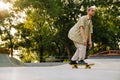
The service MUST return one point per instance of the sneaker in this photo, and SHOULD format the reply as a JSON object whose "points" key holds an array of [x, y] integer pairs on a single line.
{"points": [[82, 62], [72, 62]]}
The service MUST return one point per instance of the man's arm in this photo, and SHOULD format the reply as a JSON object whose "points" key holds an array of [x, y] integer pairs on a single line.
{"points": [[83, 35]]}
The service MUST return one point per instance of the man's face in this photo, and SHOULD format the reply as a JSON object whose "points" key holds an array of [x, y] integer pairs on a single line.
{"points": [[91, 12]]}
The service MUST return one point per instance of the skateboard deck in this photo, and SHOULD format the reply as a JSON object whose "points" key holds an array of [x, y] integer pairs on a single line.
{"points": [[87, 66]]}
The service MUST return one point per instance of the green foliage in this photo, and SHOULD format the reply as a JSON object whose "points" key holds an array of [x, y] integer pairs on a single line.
{"points": [[105, 22], [106, 28], [47, 24], [31, 56]]}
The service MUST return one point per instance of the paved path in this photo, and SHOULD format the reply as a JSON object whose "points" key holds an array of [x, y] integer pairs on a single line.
{"points": [[104, 69]]}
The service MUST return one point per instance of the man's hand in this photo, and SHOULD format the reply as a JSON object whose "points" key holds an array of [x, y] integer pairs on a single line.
{"points": [[84, 42], [90, 44]]}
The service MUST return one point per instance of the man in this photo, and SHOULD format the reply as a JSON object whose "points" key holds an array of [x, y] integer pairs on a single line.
{"points": [[81, 34]]}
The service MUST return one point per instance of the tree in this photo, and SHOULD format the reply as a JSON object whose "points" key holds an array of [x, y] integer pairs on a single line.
{"points": [[105, 23], [6, 26], [48, 22], [38, 25]]}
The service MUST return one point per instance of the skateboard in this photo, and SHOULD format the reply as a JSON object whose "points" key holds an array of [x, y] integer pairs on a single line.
{"points": [[87, 66]]}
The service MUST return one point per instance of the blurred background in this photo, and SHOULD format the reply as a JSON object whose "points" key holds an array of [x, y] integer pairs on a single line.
{"points": [[36, 31]]}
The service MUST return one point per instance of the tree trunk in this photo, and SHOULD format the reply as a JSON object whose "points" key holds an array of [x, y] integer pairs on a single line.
{"points": [[41, 49], [68, 51], [59, 50], [11, 52], [11, 44], [41, 54]]}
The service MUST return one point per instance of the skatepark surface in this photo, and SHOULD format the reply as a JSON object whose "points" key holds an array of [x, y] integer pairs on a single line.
{"points": [[6, 61], [104, 69]]}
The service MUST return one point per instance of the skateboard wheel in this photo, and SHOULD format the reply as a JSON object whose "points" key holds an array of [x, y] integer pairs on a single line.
{"points": [[75, 66], [87, 67]]}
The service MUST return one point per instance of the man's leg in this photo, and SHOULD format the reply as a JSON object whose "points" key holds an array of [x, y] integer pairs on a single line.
{"points": [[76, 55], [82, 54]]}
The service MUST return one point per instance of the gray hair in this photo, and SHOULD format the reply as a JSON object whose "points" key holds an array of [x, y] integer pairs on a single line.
{"points": [[91, 7]]}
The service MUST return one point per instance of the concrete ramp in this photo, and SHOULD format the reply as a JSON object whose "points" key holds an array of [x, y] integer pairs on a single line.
{"points": [[6, 61]]}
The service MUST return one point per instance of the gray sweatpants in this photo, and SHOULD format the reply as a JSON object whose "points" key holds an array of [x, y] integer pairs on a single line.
{"points": [[80, 52]]}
